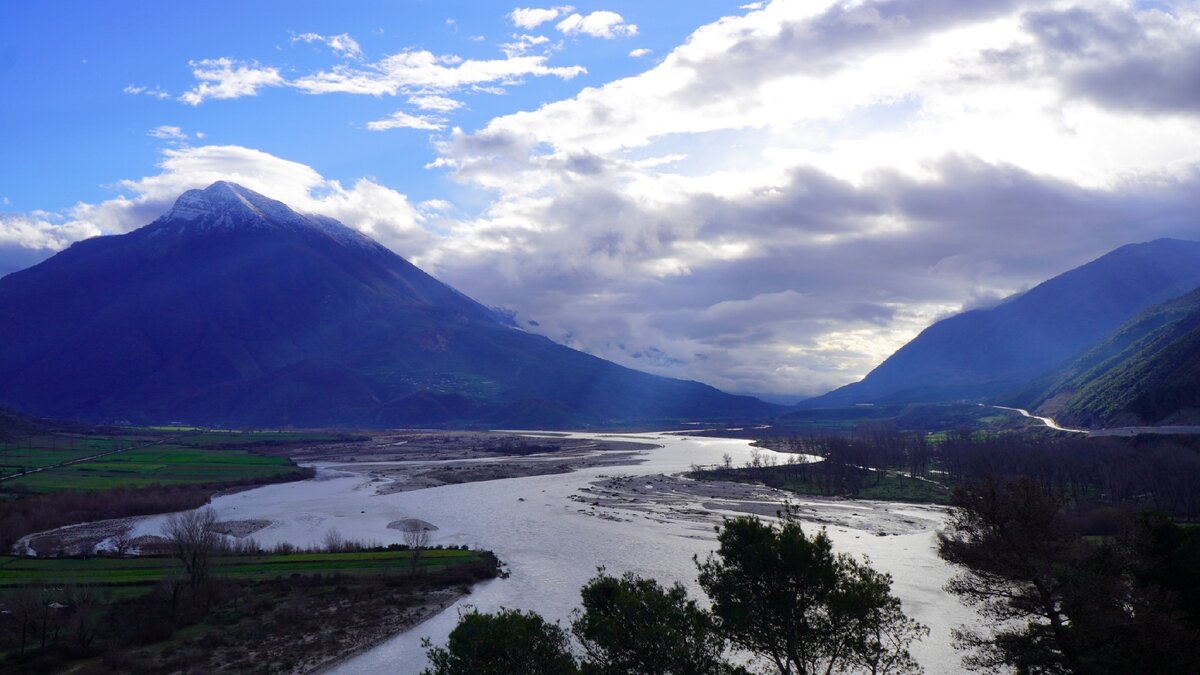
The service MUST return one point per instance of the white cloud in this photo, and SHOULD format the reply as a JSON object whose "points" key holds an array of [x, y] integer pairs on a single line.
{"points": [[342, 44], [853, 171], [402, 120], [167, 132], [420, 69], [421, 75], [788, 195], [153, 92], [41, 234], [522, 44], [530, 17], [435, 205], [367, 206], [601, 24], [639, 53], [752, 5], [225, 78], [435, 102]]}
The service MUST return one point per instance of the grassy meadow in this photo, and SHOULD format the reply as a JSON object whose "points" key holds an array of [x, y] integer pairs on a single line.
{"points": [[134, 458], [132, 576]]}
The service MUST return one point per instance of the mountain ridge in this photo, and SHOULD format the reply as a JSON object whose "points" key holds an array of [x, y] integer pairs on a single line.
{"points": [[232, 309], [1147, 372], [990, 352]]}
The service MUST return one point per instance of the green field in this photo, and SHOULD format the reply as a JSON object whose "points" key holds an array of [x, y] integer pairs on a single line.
{"points": [[254, 612], [143, 456], [50, 449], [167, 464], [133, 576]]}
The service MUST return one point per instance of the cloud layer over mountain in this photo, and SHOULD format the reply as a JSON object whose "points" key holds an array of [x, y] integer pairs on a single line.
{"points": [[780, 201]]}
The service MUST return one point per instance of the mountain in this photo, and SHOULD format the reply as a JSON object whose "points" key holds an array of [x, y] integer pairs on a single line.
{"points": [[234, 310], [1146, 372], [989, 352]]}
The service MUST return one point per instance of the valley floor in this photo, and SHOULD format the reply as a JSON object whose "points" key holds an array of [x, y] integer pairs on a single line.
{"points": [[556, 506]]}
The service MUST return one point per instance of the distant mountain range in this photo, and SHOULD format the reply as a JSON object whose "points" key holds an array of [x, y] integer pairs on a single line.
{"points": [[234, 310], [1064, 346]]}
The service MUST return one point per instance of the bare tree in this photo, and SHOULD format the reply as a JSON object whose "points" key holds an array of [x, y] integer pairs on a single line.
{"points": [[122, 541], [193, 539], [84, 613], [25, 605], [334, 541], [416, 537]]}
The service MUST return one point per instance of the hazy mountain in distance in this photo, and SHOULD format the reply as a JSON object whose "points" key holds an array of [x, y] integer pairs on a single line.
{"points": [[234, 310], [989, 352]]}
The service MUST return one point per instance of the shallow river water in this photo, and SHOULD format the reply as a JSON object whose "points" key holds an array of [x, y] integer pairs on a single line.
{"points": [[552, 544]]}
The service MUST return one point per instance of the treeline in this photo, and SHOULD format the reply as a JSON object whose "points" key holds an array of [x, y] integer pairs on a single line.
{"points": [[1161, 473], [1056, 600], [31, 513]]}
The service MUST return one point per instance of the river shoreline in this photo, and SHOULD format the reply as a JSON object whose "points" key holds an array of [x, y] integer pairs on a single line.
{"points": [[554, 529]]}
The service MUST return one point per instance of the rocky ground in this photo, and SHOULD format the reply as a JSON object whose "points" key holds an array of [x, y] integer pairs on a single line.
{"points": [[391, 477], [433, 446], [665, 498]]}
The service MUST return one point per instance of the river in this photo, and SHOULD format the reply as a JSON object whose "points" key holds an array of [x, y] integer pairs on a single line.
{"points": [[552, 540]]}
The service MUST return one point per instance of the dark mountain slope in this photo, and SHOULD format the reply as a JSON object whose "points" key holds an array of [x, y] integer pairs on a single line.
{"points": [[992, 351], [1146, 372], [232, 309]]}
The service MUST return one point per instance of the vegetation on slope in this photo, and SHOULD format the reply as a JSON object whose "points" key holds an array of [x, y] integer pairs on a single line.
{"points": [[987, 352], [1146, 372]]}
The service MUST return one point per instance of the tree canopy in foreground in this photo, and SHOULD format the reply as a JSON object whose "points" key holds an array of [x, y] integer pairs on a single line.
{"points": [[780, 596]]}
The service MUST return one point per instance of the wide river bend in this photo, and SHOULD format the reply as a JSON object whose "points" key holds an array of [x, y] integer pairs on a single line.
{"points": [[551, 537]]}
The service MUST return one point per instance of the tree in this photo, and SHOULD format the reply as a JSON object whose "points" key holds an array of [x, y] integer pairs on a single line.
{"points": [[634, 625], [416, 538], [193, 538], [334, 541], [786, 597], [26, 604], [504, 643], [84, 614], [122, 540], [872, 623], [1058, 602]]}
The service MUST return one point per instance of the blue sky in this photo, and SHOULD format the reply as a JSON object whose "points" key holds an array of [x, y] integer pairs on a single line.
{"points": [[69, 63], [769, 197]]}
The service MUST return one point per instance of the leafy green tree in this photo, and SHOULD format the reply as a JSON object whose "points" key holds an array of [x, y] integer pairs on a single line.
{"points": [[505, 643], [871, 623], [787, 598], [634, 625]]}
